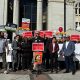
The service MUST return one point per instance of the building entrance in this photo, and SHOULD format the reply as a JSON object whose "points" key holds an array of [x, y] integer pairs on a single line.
{"points": [[28, 10]]}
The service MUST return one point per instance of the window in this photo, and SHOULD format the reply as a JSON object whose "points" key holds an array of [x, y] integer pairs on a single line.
{"points": [[77, 9], [77, 14], [76, 24]]}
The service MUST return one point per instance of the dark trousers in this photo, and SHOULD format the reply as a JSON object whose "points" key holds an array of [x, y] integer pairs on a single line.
{"points": [[45, 60], [25, 61], [4, 60], [19, 60], [14, 62], [70, 64], [54, 61]]}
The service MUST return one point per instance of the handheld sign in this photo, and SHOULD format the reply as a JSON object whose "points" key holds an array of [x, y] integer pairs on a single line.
{"points": [[27, 34], [74, 37], [48, 34], [41, 33]]}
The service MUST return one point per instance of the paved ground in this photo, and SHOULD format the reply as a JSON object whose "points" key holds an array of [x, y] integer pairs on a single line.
{"points": [[27, 75], [14, 77]]}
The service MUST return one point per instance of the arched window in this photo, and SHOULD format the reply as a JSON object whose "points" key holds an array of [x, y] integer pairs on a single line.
{"points": [[77, 15]]}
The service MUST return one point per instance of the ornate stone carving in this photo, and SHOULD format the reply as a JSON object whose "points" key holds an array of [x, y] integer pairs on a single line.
{"points": [[70, 2]]}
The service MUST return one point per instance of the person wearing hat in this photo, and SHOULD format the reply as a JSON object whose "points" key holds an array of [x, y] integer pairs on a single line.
{"points": [[68, 49]]}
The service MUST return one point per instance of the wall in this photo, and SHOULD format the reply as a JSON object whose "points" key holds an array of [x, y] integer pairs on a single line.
{"points": [[55, 15]]}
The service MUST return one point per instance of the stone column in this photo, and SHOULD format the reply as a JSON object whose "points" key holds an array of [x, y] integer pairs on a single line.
{"points": [[16, 12], [39, 14], [5, 11], [49, 14]]}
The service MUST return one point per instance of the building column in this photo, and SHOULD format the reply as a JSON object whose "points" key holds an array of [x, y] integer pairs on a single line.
{"points": [[16, 12], [5, 12], [49, 15], [39, 14]]}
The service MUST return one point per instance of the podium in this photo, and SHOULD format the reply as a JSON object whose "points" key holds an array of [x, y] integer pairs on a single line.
{"points": [[37, 49]]}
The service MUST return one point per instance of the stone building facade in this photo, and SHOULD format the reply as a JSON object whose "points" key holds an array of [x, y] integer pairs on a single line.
{"points": [[55, 14]]}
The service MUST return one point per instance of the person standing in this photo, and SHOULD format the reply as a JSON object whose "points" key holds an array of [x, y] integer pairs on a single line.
{"points": [[19, 53], [68, 49], [54, 48], [14, 53], [26, 54], [3, 45], [46, 55]]}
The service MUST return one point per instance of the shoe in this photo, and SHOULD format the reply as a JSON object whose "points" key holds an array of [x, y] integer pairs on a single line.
{"points": [[33, 71], [51, 71], [14, 70], [5, 72], [73, 73], [66, 72], [56, 71]]}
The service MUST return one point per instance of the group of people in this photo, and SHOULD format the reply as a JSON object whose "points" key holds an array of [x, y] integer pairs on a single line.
{"points": [[22, 53]]}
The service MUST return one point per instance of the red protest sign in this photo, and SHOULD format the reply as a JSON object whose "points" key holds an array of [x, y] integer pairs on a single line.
{"points": [[37, 57], [74, 37], [41, 33], [41, 46], [48, 34], [38, 47], [27, 34], [35, 47]]}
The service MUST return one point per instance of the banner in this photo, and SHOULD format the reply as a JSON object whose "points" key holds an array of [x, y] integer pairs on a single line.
{"points": [[38, 47], [37, 57], [49, 34], [27, 34]]}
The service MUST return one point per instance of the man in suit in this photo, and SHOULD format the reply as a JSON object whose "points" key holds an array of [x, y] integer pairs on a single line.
{"points": [[54, 48], [68, 52]]}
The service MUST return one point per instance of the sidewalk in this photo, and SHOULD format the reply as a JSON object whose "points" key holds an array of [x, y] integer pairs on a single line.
{"points": [[65, 76], [14, 77], [27, 75], [58, 76]]}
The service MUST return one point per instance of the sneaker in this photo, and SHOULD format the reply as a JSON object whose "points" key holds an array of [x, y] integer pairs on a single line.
{"points": [[5, 72], [73, 73], [66, 72]]}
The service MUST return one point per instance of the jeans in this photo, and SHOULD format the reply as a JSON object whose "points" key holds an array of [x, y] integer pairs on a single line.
{"points": [[70, 64]]}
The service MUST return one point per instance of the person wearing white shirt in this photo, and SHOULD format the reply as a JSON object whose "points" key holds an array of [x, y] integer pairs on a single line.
{"points": [[68, 49], [67, 42]]}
